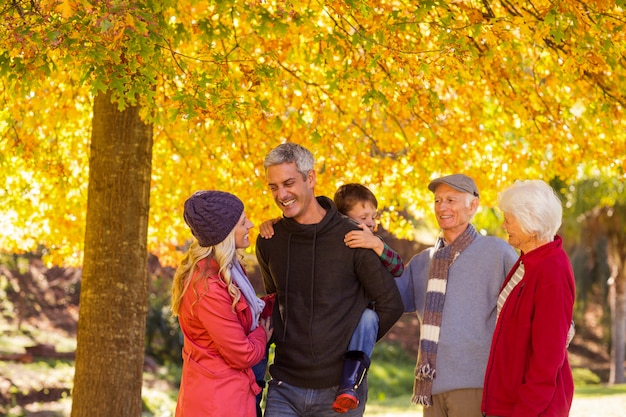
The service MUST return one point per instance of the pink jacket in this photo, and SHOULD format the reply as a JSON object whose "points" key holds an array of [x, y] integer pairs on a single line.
{"points": [[219, 350], [528, 373]]}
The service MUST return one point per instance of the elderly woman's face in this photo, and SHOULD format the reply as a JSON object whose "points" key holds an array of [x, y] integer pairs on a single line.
{"points": [[517, 237]]}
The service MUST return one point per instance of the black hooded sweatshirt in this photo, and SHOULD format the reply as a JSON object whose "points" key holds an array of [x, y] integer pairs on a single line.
{"points": [[322, 288]]}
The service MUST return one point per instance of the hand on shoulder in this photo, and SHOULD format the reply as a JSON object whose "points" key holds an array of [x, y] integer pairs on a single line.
{"points": [[266, 230]]}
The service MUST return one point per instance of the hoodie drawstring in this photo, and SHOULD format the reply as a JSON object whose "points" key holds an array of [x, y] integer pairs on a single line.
{"points": [[285, 313], [312, 297]]}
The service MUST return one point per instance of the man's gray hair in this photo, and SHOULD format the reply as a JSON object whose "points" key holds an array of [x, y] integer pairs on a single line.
{"points": [[290, 152]]}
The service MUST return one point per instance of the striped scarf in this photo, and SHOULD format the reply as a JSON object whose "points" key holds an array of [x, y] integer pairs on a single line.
{"points": [[515, 279], [435, 297]]}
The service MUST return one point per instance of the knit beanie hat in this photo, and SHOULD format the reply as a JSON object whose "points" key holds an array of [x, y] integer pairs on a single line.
{"points": [[212, 215]]}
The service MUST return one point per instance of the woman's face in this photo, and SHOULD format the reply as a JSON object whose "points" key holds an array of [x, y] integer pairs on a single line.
{"points": [[241, 232], [517, 237]]}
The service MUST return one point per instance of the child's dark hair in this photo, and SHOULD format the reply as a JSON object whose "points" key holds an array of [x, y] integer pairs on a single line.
{"points": [[349, 195]]}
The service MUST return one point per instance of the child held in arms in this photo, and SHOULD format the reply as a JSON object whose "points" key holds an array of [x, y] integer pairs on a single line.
{"points": [[359, 204]]}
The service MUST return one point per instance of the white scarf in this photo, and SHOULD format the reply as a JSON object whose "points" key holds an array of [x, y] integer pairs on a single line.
{"points": [[247, 290]]}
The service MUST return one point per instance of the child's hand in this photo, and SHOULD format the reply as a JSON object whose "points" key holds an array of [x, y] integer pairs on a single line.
{"points": [[364, 238], [266, 230]]}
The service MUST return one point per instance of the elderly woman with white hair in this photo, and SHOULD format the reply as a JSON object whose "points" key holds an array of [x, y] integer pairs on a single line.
{"points": [[528, 373]]}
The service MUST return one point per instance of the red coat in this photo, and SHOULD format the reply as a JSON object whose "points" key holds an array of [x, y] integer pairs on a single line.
{"points": [[219, 351], [528, 373]]}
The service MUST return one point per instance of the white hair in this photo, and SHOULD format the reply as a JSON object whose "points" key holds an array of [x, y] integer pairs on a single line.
{"points": [[535, 206]]}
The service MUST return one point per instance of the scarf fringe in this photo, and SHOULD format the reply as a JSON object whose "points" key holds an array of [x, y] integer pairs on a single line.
{"points": [[424, 372], [423, 400]]}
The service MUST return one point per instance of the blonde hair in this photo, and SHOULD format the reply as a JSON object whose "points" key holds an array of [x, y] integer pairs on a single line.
{"points": [[224, 254]]}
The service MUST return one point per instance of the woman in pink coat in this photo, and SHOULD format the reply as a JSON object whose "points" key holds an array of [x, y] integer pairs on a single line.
{"points": [[218, 311]]}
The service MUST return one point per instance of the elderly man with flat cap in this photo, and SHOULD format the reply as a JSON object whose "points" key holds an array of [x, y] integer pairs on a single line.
{"points": [[453, 286]]}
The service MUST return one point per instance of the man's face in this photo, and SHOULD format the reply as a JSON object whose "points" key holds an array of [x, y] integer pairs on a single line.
{"points": [[292, 193], [453, 209]]}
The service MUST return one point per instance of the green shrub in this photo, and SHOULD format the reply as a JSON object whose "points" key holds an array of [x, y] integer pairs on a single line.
{"points": [[391, 373], [584, 376]]}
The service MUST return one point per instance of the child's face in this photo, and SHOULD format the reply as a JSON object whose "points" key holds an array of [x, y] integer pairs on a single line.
{"points": [[364, 213]]}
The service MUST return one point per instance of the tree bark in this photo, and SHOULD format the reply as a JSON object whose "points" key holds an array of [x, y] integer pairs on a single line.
{"points": [[618, 330], [113, 300], [614, 219]]}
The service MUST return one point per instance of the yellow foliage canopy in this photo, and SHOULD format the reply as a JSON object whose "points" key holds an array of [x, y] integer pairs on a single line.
{"points": [[390, 95]]}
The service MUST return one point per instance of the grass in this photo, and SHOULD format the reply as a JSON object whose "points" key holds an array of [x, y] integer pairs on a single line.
{"points": [[396, 406], [391, 373], [390, 380], [14, 340], [390, 385], [600, 390], [609, 401]]}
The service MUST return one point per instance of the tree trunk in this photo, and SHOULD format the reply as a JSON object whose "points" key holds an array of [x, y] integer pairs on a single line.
{"points": [[113, 299], [614, 219], [617, 294]]}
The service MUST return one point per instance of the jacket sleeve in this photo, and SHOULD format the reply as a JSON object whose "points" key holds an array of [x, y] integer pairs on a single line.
{"points": [[380, 287], [413, 282], [392, 261], [239, 350], [553, 305], [406, 288]]}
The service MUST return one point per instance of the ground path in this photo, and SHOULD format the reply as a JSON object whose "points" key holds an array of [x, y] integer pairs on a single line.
{"points": [[605, 406], [602, 406]]}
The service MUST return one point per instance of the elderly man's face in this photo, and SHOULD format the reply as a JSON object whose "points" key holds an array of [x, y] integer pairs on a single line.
{"points": [[453, 209]]}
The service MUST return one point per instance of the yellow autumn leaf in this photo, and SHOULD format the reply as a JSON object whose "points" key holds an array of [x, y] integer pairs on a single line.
{"points": [[66, 8]]}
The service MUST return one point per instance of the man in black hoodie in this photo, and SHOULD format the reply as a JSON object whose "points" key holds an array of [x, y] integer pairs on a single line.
{"points": [[322, 288]]}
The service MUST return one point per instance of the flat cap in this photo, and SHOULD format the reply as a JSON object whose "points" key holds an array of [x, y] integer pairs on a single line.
{"points": [[459, 182]]}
